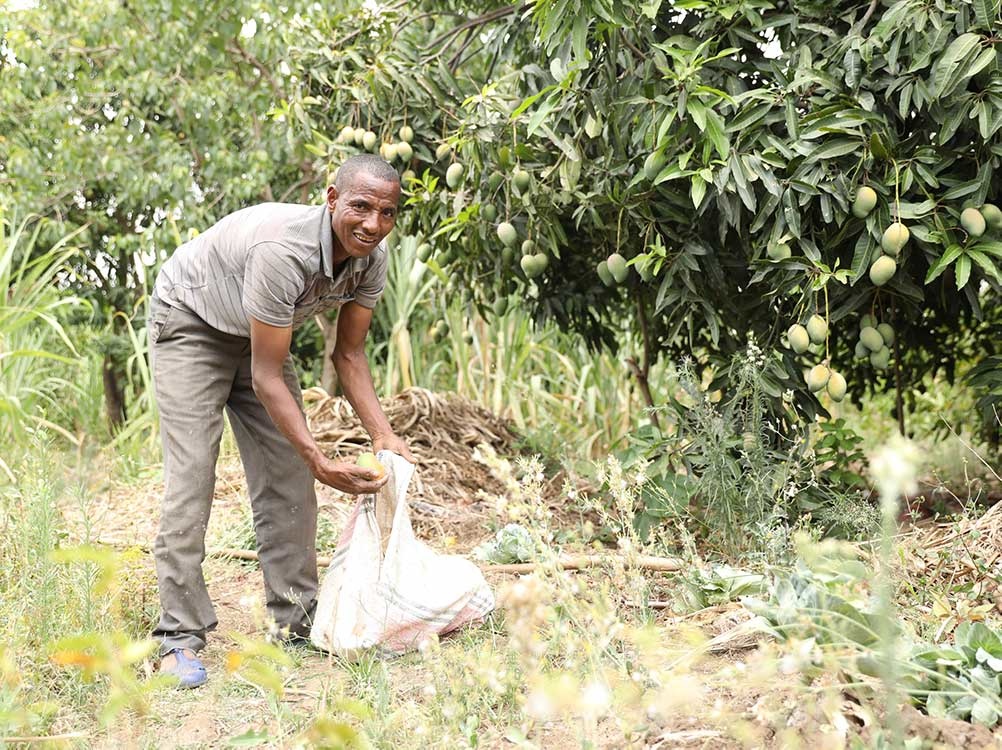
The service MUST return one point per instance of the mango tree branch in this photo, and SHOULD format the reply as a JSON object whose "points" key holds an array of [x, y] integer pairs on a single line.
{"points": [[642, 371]]}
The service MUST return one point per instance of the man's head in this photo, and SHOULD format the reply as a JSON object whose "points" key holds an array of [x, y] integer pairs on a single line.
{"points": [[363, 204]]}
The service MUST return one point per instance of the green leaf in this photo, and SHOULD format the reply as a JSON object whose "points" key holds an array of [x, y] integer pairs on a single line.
{"points": [[963, 270], [542, 113], [250, 738], [716, 134], [949, 256], [950, 68], [831, 149], [985, 711], [987, 265], [986, 13], [698, 190], [791, 212], [530, 100]]}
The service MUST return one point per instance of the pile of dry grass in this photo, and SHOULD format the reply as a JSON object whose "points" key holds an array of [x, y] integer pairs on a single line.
{"points": [[441, 430], [964, 551]]}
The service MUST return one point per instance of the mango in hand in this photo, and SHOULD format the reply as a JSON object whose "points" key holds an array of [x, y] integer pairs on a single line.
{"points": [[369, 461]]}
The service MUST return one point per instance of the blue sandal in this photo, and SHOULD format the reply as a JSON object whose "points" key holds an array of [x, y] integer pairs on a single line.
{"points": [[189, 670]]}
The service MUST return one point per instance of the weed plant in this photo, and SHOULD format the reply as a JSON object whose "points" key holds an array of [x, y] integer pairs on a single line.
{"points": [[743, 476]]}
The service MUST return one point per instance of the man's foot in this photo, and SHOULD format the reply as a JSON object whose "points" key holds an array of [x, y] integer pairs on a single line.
{"points": [[182, 664]]}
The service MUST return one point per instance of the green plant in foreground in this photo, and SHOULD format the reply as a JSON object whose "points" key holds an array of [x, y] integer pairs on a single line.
{"points": [[827, 602], [32, 330]]}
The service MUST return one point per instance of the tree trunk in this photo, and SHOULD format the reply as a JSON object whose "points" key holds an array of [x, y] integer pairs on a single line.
{"points": [[114, 395], [328, 378]]}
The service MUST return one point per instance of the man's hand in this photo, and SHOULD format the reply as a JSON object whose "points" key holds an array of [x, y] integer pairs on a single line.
{"points": [[395, 443], [347, 477]]}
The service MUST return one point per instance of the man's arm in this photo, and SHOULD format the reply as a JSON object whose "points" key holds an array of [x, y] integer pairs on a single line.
{"points": [[269, 348], [353, 372]]}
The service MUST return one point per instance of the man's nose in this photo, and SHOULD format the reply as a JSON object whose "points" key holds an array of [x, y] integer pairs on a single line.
{"points": [[371, 223]]}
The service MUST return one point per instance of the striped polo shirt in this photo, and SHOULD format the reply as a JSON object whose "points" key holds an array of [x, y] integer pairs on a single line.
{"points": [[273, 262]]}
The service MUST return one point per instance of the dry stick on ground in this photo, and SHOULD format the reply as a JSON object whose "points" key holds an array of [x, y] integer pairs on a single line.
{"points": [[576, 562]]}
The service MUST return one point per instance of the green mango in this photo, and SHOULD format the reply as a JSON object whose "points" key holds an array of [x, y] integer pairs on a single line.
{"points": [[882, 270], [778, 251], [886, 333], [973, 222], [993, 216], [895, 237], [488, 211], [836, 387], [866, 199], [522, 180], [507, 234], [799, 338], [880, 359], [454, 175], [618, 268], [817, 329], [653, 165], [604, 273], [817, 378], [871, 339], [406, 134]]}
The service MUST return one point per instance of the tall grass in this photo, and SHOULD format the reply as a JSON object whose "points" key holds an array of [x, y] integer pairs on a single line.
{"points": [[33, 336]]}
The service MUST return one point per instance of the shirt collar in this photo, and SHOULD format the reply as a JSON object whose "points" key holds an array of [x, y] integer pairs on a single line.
{"points": [[355, 265]]}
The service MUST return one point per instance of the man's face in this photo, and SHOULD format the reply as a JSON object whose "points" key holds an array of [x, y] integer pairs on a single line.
{"points": [[363, 214]]}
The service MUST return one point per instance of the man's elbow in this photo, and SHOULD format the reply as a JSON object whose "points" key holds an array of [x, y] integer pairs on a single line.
{"points": [[346, 358], [259, 382]]}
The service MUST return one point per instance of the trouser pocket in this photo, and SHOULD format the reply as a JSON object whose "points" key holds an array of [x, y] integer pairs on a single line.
{"points": [[158, 322]]}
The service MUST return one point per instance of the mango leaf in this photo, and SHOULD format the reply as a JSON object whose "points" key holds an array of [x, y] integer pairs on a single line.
{"points": [[963, 270], [831, 149], [949, 256], [986, 13], [715, 132], [698, 190], [987, 264], [950, 69]]}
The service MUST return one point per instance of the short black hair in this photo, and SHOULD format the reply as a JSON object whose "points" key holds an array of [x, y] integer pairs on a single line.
{"points": [[368, 163]]}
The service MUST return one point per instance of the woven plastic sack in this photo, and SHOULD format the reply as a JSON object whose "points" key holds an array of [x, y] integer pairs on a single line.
{"points": [[385, 589]]}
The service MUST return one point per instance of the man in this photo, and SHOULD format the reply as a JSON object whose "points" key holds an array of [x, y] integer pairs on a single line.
{"points": [[221, 319]]}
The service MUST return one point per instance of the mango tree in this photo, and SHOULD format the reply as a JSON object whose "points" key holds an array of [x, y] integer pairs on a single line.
{"points": [[711, 172]]}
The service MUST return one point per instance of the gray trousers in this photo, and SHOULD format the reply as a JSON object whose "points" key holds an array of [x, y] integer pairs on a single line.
{"points": [[198, 372]]}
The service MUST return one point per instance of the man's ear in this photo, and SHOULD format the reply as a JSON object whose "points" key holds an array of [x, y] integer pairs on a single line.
{"points": [[332, 196]]}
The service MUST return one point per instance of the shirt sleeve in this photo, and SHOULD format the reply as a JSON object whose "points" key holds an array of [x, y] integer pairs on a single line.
{"points": [[373, 282], [274, 278]]}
